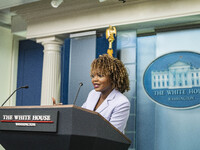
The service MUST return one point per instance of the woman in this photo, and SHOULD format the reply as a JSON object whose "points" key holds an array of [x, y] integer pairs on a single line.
{"points": [[110, 80]]}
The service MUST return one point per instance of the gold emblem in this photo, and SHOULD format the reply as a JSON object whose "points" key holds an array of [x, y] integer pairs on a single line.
{"points": [[110, 32]]}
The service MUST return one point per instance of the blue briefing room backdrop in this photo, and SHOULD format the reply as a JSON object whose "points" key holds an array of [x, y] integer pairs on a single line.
{"points": [[83, 50], [177, 129], [74, 51], [159, 127], [82, 53], [77, 55], [29, 73], [156, 127]]}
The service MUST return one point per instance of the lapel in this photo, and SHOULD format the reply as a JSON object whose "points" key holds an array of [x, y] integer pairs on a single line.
{"points": [[94, 101], [105, 103]]}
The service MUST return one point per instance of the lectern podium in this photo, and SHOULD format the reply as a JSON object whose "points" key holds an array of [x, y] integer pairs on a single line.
{"points": [[65, 127]]}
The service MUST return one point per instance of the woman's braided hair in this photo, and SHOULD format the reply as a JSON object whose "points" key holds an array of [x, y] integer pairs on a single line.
{"points": [[115, 69]]}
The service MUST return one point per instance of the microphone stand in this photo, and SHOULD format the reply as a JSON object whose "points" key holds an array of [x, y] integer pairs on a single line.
{"points": [[13, 93], [81, 84]]}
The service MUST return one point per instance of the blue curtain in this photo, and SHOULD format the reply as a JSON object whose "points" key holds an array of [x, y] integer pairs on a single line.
{"points": [[29, 73]]}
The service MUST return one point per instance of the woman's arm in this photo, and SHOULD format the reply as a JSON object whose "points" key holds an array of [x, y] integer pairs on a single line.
{"points": [[120, 115]]}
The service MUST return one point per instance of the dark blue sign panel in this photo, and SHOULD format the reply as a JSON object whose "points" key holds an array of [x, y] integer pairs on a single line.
{"points": [[173, 80]]}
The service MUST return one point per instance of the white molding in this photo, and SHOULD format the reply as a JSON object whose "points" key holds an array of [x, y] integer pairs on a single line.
{"points": [[81, 34], [78, 16], [5, 18], [4, 4], [49, 39]]}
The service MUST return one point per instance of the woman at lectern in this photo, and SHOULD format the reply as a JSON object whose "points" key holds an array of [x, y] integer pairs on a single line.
{"points": [[110, 80]]}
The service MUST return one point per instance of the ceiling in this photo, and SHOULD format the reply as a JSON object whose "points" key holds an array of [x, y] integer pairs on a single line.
{"points": [[6, 5], [5, 14]]}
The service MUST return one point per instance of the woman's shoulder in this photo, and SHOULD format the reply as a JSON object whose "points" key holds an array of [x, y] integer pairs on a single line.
{"points": [[121, 97]]}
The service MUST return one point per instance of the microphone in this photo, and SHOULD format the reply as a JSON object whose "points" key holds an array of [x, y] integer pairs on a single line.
{"points": [[80, 84], [22, 87]]}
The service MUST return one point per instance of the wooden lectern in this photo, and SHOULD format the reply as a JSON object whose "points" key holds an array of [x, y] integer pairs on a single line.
{"points": [[63, 127]]}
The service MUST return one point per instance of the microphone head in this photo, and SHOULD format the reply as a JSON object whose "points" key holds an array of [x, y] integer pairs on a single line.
{"points": [[26, 87], [81, 84]]}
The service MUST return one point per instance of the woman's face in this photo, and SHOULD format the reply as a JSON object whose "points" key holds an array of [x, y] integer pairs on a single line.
{"points": [[101, 82]]}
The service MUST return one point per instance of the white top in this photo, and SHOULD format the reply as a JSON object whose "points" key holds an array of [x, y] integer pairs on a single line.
{"points": [[115, 108]]}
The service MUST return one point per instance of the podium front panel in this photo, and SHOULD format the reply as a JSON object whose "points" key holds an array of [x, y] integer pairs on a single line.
{"points": [[68, 128]]}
